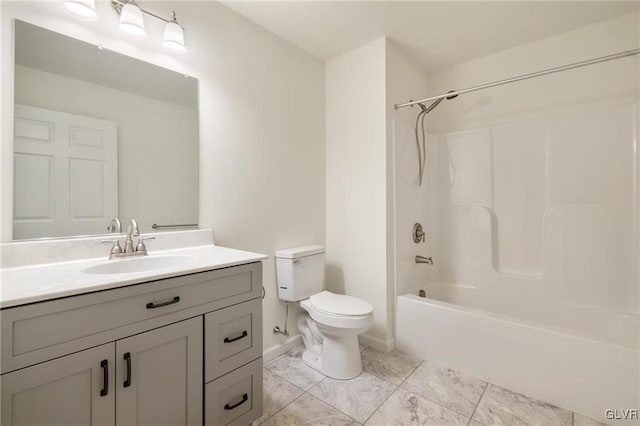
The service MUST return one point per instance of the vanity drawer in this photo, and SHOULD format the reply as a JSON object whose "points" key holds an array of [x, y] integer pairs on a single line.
{"points": [[233, 337], [236, 397], [42, 331]]}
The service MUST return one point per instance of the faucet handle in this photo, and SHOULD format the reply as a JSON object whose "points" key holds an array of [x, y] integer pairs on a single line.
{"points": [[141, 246], [115, 249]]}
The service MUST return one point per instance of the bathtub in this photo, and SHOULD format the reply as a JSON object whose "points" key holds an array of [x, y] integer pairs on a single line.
{"points": [[583, 359]]}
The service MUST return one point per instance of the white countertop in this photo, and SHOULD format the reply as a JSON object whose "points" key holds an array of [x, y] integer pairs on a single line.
{"points": [[36, 283]]}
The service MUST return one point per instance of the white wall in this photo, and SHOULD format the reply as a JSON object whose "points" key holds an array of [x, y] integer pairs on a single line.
{"points": [[356, 167], [407, 200], [610, 82], [157, 143], [363, 131], [537, 181], [261, 123]]}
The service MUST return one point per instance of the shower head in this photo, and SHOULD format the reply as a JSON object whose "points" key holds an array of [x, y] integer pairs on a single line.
{"points": [[422, 152], [427, 110]]}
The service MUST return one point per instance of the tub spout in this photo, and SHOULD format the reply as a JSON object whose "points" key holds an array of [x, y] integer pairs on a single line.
{"points": [[427, 260]]}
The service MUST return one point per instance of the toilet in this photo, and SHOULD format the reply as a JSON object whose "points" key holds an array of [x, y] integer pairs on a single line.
{"points": [[330, 323]]}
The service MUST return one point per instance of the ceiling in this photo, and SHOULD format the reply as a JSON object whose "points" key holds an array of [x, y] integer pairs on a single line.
{"points": [[435, 33], [56, 53]]}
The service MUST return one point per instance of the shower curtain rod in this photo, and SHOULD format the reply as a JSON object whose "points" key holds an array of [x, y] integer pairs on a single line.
{"points": [[525, 77]]}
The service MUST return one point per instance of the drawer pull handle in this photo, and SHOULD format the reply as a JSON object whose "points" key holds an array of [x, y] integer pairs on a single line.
{"points": [[127, 360], [245, 398], [152, 305], [233, 339], [105, 377]]}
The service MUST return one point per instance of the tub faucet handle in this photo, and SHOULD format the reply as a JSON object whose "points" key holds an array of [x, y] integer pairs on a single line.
{"points": [[418, 233]]}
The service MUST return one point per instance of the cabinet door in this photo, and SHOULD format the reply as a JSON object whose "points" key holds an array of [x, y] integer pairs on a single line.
{"points": [[77, 389], [159, 376]]}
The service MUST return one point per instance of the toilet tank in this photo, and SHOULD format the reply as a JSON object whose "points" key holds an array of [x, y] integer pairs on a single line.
{"points": [[299, 272]]}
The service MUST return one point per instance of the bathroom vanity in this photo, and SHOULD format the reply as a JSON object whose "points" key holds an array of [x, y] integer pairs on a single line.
{"points": [[110, 335], [181, 348]]}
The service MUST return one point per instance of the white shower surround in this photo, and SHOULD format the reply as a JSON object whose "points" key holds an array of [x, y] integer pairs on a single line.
{"points": [[533, 226]]}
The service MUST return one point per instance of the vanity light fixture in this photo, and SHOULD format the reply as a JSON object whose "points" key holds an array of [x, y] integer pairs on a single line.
{"points": [[81, 9], [132, 21]]}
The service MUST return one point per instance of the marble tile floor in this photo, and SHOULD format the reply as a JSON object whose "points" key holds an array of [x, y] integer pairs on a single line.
{"points": [[395, 389]]}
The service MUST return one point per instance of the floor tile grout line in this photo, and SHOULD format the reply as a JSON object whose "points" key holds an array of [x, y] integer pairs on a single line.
{"points": [[335, 408], [316, 384], [394, 391], [486, 385], [293, 384], [438, 402], [340, 410], [386, 380], [276, 358], [286, 405], [288, 381]]}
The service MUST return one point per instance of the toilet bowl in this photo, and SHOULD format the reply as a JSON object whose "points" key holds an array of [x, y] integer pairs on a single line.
{"points": [[330, 323], [330, 330]]}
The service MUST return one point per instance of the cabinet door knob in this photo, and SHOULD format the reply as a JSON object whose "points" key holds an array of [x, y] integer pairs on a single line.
{"points": [[127, 361], [105, 377], [238, 337], [245, 397]]}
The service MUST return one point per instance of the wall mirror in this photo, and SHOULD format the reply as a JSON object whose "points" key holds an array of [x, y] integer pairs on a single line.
{"points": [[99, 135]]}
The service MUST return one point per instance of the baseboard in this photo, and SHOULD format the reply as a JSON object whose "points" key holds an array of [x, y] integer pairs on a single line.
{"points": [[377, 343], [281, 348]]}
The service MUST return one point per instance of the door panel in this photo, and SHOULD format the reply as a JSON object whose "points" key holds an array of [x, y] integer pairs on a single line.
{"points": [[65, 172], [159, 376], [65, 391]]}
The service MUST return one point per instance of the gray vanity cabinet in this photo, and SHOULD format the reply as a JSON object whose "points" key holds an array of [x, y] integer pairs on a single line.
{"points": [[159, 376], [174, 352], [77, 389], [153, 378]]}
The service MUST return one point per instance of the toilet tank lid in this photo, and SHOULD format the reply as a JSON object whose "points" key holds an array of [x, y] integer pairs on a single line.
{"points": [[296, 252]]}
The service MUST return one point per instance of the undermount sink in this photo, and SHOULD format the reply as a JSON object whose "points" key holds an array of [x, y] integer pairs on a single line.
{"points": [[136, 264]]}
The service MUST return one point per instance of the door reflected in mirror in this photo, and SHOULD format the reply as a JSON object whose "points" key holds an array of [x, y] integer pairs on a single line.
{"points": [[99, 135]]}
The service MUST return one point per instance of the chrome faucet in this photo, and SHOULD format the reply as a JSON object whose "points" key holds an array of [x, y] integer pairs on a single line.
{"points": [[427, 260], [115, 227], [140, 249], [132, 231]]}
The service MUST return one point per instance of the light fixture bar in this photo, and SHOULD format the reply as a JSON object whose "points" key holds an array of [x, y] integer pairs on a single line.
{"points": [[117, 5]]}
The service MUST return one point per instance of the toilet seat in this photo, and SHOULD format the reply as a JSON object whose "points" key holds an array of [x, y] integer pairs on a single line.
{"points": [[339, 304], [339, 311]]}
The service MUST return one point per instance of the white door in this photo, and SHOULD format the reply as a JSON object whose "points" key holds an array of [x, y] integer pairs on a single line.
{"points": [[159, 376], [73, 390], [65, 173]]}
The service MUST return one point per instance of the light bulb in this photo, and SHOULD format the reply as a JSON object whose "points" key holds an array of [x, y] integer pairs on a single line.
{"points": [[131, 21], [174, 36]]}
